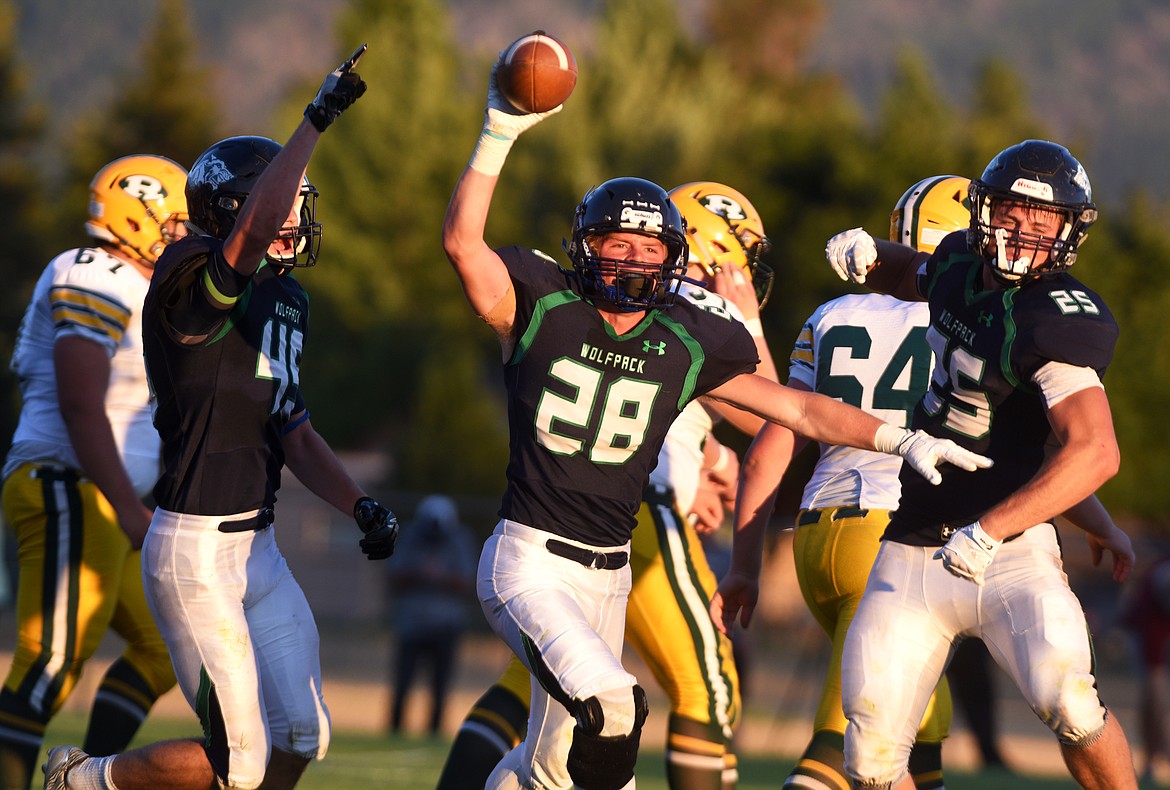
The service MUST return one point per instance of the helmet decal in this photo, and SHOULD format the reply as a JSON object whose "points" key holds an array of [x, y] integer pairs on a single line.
{"points": [[1032, 189], [143, 187], [212, 170], [723, 205], [640, 220], [1081, 179]]}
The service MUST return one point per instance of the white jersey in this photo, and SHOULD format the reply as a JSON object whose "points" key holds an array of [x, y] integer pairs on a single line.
{"points": [[870, 351], [680, 461], [88, 293]]}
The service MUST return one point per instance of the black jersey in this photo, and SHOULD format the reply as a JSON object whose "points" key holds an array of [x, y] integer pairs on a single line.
{"points": [[227, 380], [988, 344], [588, 409]]}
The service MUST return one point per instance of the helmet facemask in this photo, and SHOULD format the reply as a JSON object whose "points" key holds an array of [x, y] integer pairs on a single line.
{"points": [[636, 206], [1009, 252], [762, 275], [629, 285], [297, 246]]}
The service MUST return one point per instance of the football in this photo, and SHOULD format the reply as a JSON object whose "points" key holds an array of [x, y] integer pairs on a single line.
{"points": [[537, 72]]}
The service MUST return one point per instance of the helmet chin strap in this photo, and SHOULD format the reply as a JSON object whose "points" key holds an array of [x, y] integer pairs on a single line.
{"points": [[1008, 268]]}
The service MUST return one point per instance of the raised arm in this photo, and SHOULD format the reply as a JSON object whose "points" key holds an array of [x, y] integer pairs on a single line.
{"points": [[484, 277], [270, 201]]}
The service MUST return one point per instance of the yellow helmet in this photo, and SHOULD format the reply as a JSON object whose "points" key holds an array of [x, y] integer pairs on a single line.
{"points": [[929, 210], [131, 200], [724, 229]]}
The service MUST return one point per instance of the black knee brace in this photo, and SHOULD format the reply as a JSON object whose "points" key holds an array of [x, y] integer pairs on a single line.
{"points": [[598, 762]]}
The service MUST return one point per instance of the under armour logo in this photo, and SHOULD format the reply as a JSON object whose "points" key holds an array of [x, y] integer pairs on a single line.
{"points": [[984, 318], [660, 347]]}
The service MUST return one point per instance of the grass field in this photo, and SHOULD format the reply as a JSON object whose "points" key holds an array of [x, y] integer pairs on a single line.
{"points": [[359, 760]]}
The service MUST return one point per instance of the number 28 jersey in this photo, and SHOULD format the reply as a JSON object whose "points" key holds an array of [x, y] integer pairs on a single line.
{"points": [[589, 409], [988, 345]]}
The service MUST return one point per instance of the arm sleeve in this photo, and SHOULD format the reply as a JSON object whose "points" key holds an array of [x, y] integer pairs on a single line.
{"points": [[195, 289]]}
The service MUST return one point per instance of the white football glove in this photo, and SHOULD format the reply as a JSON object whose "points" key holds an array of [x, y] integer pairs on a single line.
{"points": [[968, 552], [925, 452], [505, 119], [502, 124], [852, 254]]}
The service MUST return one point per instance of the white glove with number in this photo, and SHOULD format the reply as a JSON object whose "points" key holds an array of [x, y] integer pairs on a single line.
{"points": [[925, 452], [968, 552], [852, 254]]}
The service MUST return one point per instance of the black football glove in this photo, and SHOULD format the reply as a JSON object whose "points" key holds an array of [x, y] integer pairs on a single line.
{"points": [[340, 89], [380, 527]]}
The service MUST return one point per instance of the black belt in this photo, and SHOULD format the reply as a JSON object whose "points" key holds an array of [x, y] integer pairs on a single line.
{"points": [[251, 524], [56, 474], [812, 516], [658, 495], [598, 560]]}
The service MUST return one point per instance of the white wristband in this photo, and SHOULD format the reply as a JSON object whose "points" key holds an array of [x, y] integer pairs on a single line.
{"points": [[754, 327], [723, 460], [887, 438], [490, 152]]}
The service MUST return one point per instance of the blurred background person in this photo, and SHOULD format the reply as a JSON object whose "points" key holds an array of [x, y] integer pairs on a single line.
{"points": [[432, 581], [1147, 615]]}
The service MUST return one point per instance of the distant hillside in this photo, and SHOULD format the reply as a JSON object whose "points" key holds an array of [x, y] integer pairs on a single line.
{"points": [[1098, 72]]}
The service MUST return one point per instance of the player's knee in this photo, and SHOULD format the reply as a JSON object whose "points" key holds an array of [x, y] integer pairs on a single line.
{"points": [[874, 759], [606, 738], [1074, 711], [1079, 726]]}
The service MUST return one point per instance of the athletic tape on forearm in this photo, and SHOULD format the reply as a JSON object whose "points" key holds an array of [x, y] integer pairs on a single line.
{"points": [[490, 152]]}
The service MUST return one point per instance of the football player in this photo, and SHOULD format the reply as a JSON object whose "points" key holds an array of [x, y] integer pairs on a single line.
{"points": [[666, 617], [869, 350], [598, 361], [225, 330], [82, 460], [1020, 347]]}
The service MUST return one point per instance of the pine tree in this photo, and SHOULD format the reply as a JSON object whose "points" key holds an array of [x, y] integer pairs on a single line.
{"points": [[23, 221], [165, 108]]}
